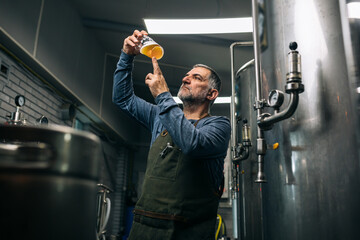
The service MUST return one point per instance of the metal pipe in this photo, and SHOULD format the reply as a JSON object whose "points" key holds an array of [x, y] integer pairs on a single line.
{"points": [[258, 76], [243, 221], [260, 150], [235, 199], [265, 122], [235, 214], [232, 105], [260, 177]]}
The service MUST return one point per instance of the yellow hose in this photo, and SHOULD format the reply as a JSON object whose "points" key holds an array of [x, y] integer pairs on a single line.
{"points": [[219, 226]]}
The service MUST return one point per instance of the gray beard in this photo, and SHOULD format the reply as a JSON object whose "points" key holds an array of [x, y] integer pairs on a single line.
{"points": [[189, 99]]}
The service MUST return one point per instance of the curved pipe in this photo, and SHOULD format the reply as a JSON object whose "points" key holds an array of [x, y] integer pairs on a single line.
{"points": [[241, 155], [245, 66], [232, 105], [107, 215], [286, 113], [247, 153]]}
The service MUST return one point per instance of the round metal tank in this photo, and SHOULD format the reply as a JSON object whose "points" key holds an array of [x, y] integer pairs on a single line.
{"points": [[314, 176], [249, 201], [48, 183]]}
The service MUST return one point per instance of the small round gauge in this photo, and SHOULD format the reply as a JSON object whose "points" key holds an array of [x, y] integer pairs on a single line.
{"points": [[276, 98], [20, 100]]}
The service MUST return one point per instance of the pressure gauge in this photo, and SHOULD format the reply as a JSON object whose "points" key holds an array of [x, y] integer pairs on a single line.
{"points": [[276, 98], [20, 100]]}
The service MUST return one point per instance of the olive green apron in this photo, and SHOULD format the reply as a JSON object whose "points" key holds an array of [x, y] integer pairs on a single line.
{"points": [[177, 201]]}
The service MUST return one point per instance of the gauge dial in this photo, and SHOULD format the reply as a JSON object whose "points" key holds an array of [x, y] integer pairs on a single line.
{"points": [[20, 100], [276, 98]]}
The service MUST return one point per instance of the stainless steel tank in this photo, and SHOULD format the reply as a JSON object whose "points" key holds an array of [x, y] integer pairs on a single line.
{"points": [[314, 175], [249, 200], [48, 183]]}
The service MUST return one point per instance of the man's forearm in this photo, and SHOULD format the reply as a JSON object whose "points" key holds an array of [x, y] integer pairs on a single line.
{"points": [[124, 97], [122, 85]]}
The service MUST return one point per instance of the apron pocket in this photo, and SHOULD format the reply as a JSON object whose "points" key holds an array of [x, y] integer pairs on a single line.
{"points": [[166, 168]]}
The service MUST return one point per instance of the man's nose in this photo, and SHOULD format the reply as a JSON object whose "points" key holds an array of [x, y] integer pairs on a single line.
{"points": [[186, 79]]}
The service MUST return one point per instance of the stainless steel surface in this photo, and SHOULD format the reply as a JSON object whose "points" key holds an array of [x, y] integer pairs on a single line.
{"points": [[103, 210], [351, 36], [233, 115], [248, 192], [48, 178], [234, 208], [313, 178], [28, 155]]}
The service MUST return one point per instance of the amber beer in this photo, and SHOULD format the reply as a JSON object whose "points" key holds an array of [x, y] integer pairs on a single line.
{"points": [[151, 48]]}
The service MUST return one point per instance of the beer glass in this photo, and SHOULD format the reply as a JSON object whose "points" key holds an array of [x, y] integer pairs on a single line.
{"points": [[151, 48]]}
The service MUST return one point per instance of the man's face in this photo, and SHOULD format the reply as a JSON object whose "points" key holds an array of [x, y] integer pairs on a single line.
{"points": [[195, 85]]}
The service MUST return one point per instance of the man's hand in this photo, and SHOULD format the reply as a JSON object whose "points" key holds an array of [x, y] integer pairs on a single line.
{"points": [[131, 43], [156, 81]]}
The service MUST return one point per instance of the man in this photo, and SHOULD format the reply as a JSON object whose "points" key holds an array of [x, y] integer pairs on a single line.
{"points": [[184, 174]]}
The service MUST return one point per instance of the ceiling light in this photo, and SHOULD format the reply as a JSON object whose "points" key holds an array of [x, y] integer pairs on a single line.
{"points": [[353, 10], [218, 100], [198, 26]]}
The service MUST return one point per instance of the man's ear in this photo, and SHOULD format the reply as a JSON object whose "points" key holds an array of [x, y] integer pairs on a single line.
{"points": [[212, 94]]}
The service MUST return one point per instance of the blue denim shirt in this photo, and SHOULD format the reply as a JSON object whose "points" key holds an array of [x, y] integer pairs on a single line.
{"points": [[208, 140]]}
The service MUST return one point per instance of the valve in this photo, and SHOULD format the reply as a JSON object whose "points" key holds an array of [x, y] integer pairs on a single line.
{"points": [[42, 120], [241, 151], [246, 137], [265, 120], [293, 87], [293, 77], [16, 118]]}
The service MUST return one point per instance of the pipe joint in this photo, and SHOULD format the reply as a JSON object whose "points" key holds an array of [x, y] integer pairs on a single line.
{"points": [[293, 87]]}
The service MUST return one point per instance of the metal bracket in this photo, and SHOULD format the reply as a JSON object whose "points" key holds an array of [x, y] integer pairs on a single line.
{"points": [[260, 104]]}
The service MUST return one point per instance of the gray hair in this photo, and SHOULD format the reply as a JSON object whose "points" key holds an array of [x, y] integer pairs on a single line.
{"points": [[214, 79]]}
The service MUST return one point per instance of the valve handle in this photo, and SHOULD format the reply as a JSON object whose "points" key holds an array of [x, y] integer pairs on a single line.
{"points": [[293, 46]]}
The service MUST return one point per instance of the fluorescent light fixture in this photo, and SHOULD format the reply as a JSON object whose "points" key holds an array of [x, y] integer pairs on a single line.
{"points": [[198, 26], [218, 100], [353, 10]]}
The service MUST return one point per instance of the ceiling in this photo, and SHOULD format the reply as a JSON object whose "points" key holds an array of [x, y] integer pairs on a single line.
{"points": [[113, 20]]}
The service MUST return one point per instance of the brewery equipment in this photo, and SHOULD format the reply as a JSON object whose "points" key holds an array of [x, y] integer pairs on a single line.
{"points": [[103, 210], [313, 176], [16, 118], [48, 182]]}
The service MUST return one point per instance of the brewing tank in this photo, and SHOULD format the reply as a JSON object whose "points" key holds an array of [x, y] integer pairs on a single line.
{"points": [[313, 177], [48, 182]]}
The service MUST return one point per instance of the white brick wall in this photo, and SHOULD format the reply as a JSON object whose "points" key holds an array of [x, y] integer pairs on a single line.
{"points": [[40, 99]]}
